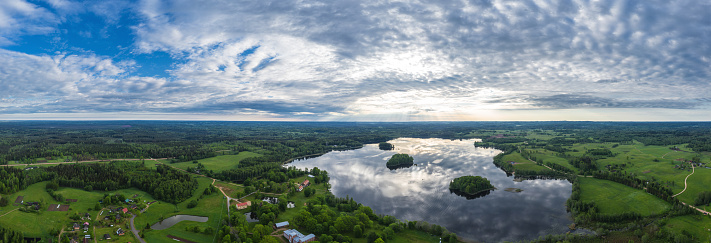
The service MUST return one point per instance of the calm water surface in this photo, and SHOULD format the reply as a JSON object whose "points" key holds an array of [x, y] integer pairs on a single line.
{"points": [[167, 223], [422, 192]]}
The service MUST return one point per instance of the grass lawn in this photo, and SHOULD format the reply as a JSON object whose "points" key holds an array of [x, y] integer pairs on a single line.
{"points": [[522, 163], [698, 226], [229, 188], [32, 224], [549, 156], [127, 237], [699, 182], [615, 198], [218, 163], [212, 206], [39, 225]]}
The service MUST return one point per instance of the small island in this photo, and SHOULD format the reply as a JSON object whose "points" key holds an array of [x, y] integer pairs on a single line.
{"points": [[386, 146], [400, 161], [470, 185]]}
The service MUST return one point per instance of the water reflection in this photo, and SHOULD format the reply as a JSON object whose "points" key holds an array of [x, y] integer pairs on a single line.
{"points": [[169, 222], [422, 192]]}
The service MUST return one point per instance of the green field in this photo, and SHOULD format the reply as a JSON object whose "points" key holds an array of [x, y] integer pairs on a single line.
{"points": [[211, 206], [218, 163], [39, 225], [699, 226], [699, 182], [615, 198], [522, 163]]}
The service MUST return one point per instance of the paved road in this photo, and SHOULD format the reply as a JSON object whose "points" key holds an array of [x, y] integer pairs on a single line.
{"points": [[133, 227], [135, 232]]}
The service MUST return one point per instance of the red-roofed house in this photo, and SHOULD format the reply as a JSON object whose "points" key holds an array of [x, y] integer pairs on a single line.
{"points": [[244, 205], [124, 210]]}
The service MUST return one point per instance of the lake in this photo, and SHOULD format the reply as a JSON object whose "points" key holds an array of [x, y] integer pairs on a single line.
{"points": [[421, 192], [167, 223]]}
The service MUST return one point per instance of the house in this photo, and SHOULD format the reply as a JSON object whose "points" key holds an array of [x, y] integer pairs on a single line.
{"points": [[76, 226], [133, 206], [119, 231], [107, 237], [294, 236], [86, 223], [282, 224], [306, 183], [310, 176], [244, 205], [86, 228], [87, 215], [118, 217], [301, 188], [124, 210]]}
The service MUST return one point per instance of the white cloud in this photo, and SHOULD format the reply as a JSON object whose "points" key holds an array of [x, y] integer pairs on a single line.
{"points": [[350, 58]]}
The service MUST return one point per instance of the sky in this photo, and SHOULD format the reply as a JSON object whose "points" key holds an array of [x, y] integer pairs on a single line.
{"points": [[363, 60]]}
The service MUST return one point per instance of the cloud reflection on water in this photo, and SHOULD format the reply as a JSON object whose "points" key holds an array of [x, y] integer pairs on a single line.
{"points": [[421, 192]]}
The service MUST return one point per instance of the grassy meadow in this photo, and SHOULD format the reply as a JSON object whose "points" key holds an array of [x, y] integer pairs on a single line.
{"points": [[615, 198]]}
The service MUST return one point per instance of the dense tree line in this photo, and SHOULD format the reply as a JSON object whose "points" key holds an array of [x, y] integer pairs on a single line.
{"points": [[13, 179], [585, 164], [704, 198], [470, 184], [164, 183], [11, 236]]}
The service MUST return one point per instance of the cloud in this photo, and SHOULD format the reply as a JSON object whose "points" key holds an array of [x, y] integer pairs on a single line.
{"points": [[567, 101], [359, 58], [19, 17]]}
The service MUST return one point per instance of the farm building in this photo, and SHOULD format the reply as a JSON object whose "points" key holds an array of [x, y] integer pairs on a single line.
{"points": [[281, 224], [294, 236]]}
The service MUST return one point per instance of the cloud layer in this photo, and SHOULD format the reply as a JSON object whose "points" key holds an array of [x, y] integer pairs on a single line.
{"points": [[362, 60]]}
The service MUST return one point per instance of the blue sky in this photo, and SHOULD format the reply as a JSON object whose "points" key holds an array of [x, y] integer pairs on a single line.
{"points": [[363, 60]]}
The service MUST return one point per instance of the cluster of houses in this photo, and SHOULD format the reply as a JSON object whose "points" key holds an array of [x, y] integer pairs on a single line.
{"points": [[85, 227], [294, 236], [304, 184]]}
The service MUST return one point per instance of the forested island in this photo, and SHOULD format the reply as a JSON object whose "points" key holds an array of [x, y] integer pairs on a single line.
{"points": [[400, 161], [470, 185], [385, 146]]}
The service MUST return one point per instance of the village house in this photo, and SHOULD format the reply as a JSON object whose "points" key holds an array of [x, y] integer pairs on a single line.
{"points": [[119, 231], [294, 236], [107, 237], [76, 226], [244, 205]]}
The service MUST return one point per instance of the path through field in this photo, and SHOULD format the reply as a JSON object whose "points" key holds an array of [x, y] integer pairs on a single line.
{"points": [[687, 177]]}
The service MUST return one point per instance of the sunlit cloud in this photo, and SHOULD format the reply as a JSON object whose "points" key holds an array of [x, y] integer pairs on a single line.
{"points": [[358, 60]]}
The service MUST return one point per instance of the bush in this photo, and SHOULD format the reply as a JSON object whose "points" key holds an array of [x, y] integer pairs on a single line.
{"points": [[192, 204]]}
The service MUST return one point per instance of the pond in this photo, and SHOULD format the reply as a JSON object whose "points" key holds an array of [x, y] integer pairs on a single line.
{"points": [[167, 223], [421, 192]]}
